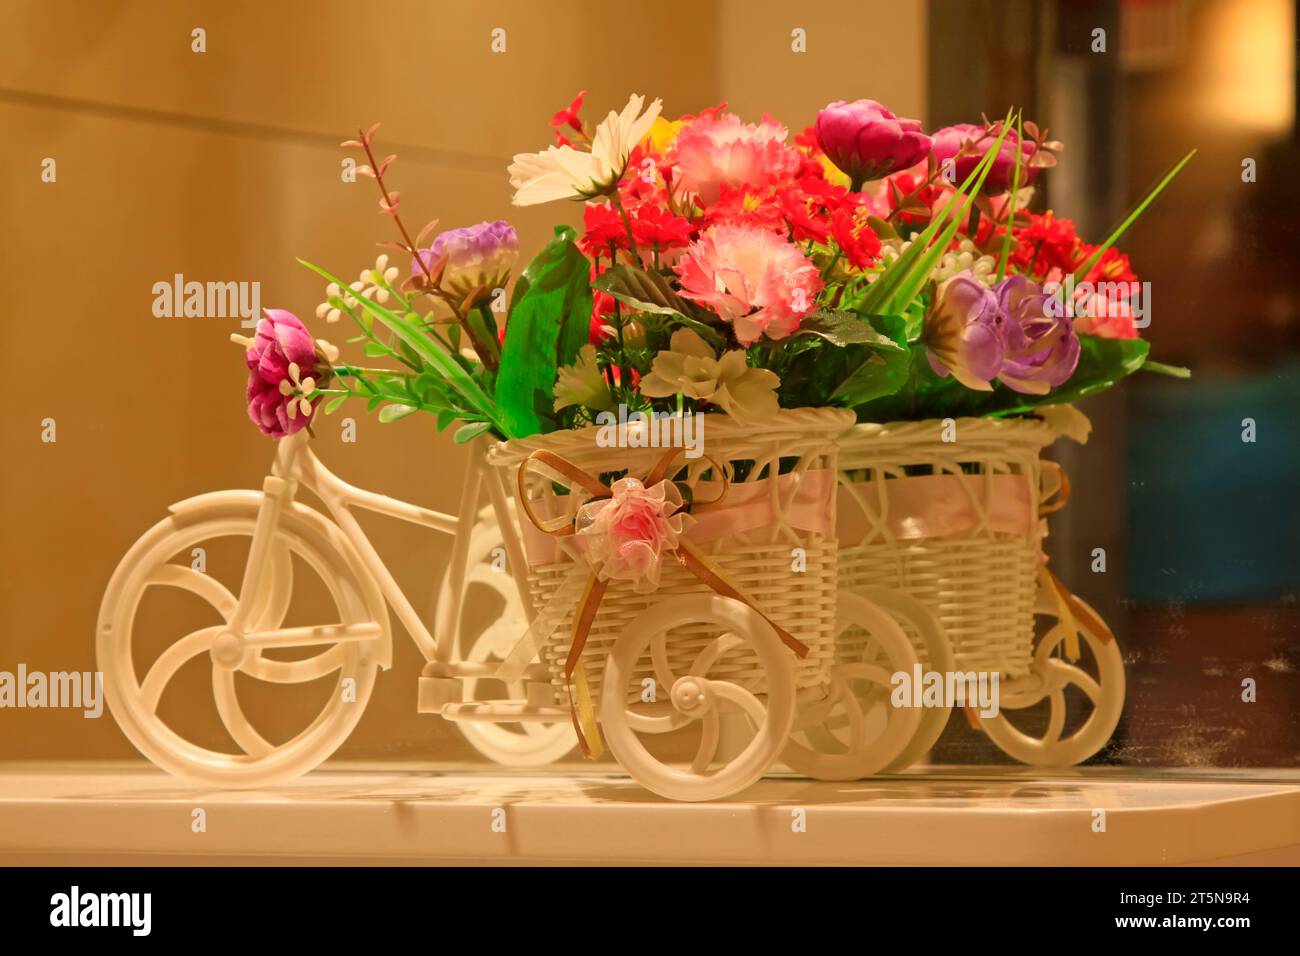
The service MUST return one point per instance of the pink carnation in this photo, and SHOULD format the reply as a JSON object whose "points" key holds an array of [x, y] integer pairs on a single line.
{"points": [[714, 151], [753, 278]]}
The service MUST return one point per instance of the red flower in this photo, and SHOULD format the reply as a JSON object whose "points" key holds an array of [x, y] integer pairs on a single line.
{"points": [[603, 227], [653, 227], [1047, 243], [810, 203], [657, 228], [856, 239], [568, 117], [746, 205], [1113, 266]]}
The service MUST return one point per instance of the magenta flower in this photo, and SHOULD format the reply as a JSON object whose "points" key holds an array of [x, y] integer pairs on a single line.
{"points": [[867, 141], [966, 144], [282, 362], [1040, 351], [962, 332]]}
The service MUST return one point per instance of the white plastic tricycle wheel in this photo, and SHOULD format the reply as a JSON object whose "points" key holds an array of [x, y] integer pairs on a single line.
{"points": [[1051, 676], [939, 657], [853, 730], [527, 744], [358, 610], [696, 698]]}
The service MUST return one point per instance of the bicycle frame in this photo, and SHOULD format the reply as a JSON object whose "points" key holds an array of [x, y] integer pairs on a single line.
{"points": [[295, 464]]}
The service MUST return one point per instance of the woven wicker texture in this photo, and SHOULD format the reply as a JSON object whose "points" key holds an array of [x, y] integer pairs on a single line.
{"points": [[758, 562], [980, 583]]}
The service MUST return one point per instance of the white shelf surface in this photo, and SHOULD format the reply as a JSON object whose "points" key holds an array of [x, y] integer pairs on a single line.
{"points": [[81, 815]]}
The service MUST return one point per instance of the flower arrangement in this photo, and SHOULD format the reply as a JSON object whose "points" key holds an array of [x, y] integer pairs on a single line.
{"points": [[725, 266]]}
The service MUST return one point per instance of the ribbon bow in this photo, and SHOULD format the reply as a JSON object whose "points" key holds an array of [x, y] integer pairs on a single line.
{"points": [[627, 529]]}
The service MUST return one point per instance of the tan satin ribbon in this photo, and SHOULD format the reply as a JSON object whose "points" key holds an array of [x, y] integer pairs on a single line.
{"points": [[581, 709]]}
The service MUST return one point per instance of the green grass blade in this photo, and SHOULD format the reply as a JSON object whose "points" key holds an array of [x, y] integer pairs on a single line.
{"points": [[921, 274], [1011, 203], [883, 288], [1132, 217]]}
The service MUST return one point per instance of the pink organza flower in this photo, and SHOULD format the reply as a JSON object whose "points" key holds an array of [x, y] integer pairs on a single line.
{"points": [[626, 536], [753, 278], [281, 362], [713, 151]]}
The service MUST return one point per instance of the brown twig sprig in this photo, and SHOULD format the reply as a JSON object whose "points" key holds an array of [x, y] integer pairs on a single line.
{"points": [[430, 282]]}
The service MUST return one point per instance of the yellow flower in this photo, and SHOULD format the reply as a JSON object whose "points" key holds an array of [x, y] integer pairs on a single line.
{"points": [[662, 134], [582, 384], [689, 366], [833, 173]]}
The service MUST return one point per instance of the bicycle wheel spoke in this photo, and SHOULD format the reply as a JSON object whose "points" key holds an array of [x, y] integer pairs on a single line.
{"points": [[196, 582], [232, 715], [171, 661], [1056, 721], [297, 672], [1071, 674], [659, 659], [713, 651], [709, 737], [735, 694]]}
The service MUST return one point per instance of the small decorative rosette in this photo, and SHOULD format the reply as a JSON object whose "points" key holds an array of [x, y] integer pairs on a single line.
{"points": [[626, 536]]}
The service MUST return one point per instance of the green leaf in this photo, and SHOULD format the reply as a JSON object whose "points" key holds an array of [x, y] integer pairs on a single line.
{"points": [[840, 327], [549, 322], [1160, 368], [333, 404], [926, 394], [643, 291], [376, 349], [881, 372], [881, 228], [391, 413], [1102, 363], [468, 433], [651, 292]]}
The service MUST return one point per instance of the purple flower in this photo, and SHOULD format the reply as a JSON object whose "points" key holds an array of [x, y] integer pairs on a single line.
{"points": [[867, 141], [966, 145], [480, 255], [962, 332], [1040, 351]]}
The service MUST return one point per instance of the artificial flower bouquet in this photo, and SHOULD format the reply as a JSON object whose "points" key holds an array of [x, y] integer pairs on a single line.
{"points": [[724, 267], [862, 271]]}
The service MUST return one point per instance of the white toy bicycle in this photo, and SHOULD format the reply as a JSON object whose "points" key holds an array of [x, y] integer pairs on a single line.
{"points": [[705, 656]]}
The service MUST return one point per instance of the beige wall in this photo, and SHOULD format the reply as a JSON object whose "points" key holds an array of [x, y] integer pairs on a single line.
{"points": [[224, 166]]}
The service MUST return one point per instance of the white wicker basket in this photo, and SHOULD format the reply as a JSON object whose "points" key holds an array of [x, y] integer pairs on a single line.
{"points": [[800, 445], [954, 524]]}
